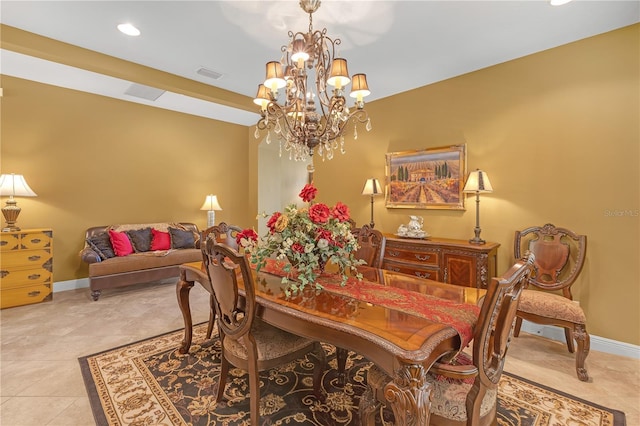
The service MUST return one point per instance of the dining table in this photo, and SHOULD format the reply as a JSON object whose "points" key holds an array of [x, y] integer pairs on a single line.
{"points": [[400, 322]]}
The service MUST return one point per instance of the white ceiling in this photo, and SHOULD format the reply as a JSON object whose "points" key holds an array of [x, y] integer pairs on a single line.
{"points": [[400, 45]]}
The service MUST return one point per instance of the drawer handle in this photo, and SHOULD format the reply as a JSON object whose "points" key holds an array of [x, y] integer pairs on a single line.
{"points": [[36, 240], [34, 276], [394, 269], [34, 293], [4, 274], [3, 243], [425, 257], [419, 275], [34, 258], [393, 253]]}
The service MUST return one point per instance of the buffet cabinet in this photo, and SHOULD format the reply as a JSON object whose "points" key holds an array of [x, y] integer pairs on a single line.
{"points": [[442, 259], [26, 267]]}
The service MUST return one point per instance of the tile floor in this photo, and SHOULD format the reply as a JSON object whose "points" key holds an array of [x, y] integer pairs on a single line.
{"points": [[41, 384]]}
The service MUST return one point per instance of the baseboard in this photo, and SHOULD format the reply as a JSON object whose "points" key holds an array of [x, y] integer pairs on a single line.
{"points": [[600, 344]]}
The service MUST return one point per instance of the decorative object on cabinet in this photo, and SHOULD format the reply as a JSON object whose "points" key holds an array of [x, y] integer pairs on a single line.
{"points": [[372, 188], [26, 274], [442, 259], [211, 205], [477, 182], [560, 255], [426, 179], [308, 66], [14, 186], [413, 229]]}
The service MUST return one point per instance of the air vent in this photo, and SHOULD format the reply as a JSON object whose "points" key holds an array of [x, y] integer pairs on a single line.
{"points": [[144, 92], [209, 73]]}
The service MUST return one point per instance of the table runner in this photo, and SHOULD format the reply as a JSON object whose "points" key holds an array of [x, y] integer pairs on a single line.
{"points": [[462, 317]]}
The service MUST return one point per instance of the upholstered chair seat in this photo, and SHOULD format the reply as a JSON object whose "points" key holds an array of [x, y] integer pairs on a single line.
{"points": [[552, 306]]}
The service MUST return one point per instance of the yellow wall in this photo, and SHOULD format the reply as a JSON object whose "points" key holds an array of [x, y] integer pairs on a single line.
{"points": [[94, 160], [558, 134]]}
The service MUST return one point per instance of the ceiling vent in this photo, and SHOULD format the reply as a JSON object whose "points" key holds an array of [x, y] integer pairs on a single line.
{"points": [[144, 92], [209, 73]]}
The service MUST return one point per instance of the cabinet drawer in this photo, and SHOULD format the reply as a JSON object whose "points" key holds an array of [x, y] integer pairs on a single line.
{"points": [[25, 295], [417, 254], [26, 258], [24, 277], [35, 240], [405, 268], [9, 241]]}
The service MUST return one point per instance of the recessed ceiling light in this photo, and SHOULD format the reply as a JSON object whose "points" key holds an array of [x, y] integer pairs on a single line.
{"points": [[558, 2], [129, 29]]}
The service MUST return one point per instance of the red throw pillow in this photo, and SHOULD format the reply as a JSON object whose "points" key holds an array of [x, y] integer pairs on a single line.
{"points": [[121, 243], [160, 240]]}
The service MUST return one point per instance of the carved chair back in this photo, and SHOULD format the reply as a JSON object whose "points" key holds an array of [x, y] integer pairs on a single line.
{"points": [[372, 244], [559, 252]]}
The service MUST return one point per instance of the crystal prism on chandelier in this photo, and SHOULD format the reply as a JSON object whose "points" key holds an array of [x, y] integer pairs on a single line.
{"points": [[312, 118]]}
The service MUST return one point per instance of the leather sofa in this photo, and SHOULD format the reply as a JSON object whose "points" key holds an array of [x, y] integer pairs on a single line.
{"points": [[107, 270]]}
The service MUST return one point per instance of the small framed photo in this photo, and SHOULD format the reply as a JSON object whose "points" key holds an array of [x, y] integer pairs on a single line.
{"points": [[426, 179]]}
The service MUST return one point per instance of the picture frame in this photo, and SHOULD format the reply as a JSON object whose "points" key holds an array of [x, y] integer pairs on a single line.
{"points": [[432, 178]]}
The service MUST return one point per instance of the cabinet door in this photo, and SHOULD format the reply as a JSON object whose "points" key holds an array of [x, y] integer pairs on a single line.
{"points": [[460, 269]]}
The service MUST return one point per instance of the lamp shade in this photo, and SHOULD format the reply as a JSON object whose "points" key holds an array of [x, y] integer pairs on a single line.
{"points": [[211, 203], [274, 76], [478, 181], [372, 187], [15, 185], [262, 97], [359, 86], [339, 75]]}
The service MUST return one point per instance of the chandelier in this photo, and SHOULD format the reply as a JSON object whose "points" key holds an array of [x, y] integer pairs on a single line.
{"points": [[312, 117]]}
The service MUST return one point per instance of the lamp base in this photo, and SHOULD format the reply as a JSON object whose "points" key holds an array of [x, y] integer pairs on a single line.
{"points": [[11, 212], [211, 218], [477, 239]]}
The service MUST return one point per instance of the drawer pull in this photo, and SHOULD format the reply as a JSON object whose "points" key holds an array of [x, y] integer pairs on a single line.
{"points": [[34, 293], [393, 253], [36, 240], [4, 274], [34, 258], [419, 275], [3, 243], [394, 269], [33, 276], [424, 257]]}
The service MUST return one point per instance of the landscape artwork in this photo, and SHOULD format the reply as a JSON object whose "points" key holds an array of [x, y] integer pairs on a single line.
{"points": [[426, 179]]}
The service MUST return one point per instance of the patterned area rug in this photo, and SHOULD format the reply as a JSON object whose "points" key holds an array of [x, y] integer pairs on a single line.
{"points": [[150, 383]]}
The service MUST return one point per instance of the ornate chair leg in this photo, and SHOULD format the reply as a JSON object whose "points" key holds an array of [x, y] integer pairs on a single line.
{"points": [[212, 317], [341, 357], [367, 407], [568, 335], [516, 329], [584, 344]]}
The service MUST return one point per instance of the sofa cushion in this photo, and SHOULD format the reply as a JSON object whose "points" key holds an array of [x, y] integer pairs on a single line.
{"points": [[182, 238], [121, 243], [160, 240], [140, 239], [142, 261], [101, 244]]}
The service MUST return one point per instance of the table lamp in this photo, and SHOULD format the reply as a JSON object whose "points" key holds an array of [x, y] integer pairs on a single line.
{"points": [[211, 205], [14, 186], [372, 188], [477, 182]]}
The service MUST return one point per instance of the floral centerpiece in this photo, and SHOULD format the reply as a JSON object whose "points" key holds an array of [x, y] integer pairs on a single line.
{"points": [[308, 238]]}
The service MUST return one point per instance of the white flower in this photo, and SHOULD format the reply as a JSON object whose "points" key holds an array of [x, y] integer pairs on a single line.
{"points": [[323, 243]]}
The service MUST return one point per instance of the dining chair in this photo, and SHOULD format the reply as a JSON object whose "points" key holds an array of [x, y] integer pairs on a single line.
{"points": [[223, 233], [464, 390], [248, 342], [371, 244], [560, 255]]}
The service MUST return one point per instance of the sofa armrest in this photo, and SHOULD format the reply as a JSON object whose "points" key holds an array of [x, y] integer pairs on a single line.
{"points": [[89, 256]]}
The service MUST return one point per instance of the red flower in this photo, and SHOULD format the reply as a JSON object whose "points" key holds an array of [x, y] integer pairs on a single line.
{"points": [[341, 212], [248, 234], [297, 247], [271, 224], [324, 234], [308, 193], [319, 213]]}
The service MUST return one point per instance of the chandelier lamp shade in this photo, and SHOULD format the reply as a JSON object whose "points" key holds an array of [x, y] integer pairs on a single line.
{"points": [[477, 182], [211, 205], [312, 115], [14, 186], [372, 188]]}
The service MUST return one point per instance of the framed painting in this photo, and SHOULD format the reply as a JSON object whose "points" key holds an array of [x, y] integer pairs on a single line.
{"points": [[427, 179]]}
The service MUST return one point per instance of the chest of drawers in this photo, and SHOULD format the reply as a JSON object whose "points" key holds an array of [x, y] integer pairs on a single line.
{"points": [[442, 259], [26, 267]]}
